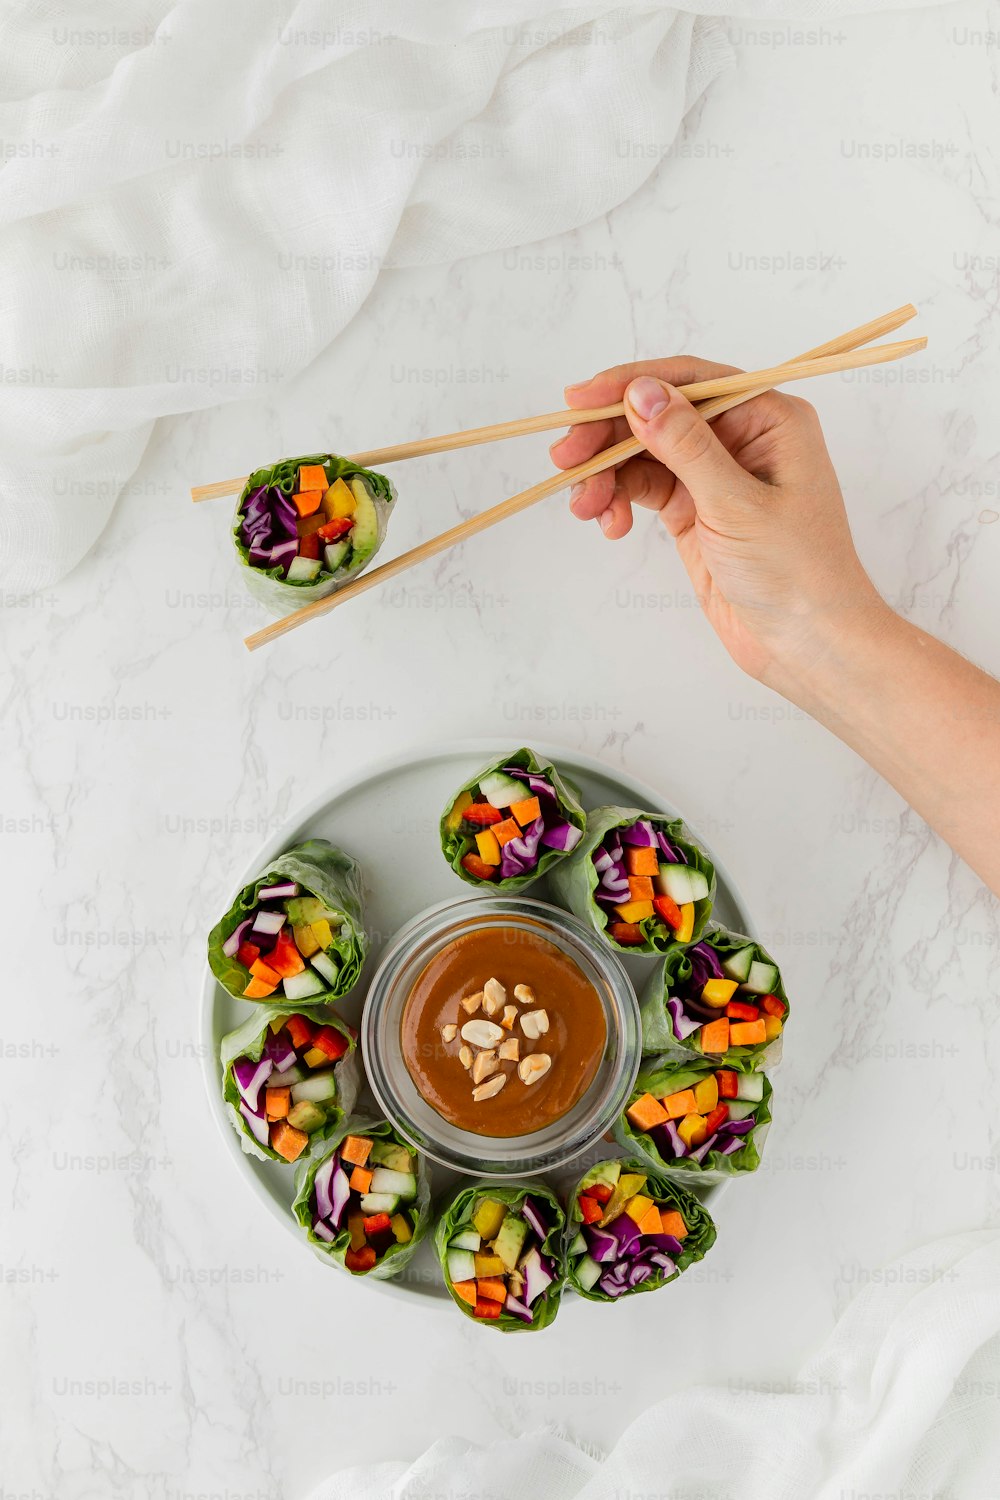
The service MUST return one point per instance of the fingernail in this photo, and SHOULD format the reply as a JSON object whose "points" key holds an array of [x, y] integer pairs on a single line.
{"points": [[574, 497], [577, 387], [606, 520], [647, 397]]}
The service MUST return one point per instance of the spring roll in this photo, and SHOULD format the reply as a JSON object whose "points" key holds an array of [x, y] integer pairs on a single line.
{"points": [[639, 881], [500, 1248], [701, 1122], [306, 526], [366, 1202], [633, 1231], [288, 1080], [515, 819], [295, 933], [720, 998]]}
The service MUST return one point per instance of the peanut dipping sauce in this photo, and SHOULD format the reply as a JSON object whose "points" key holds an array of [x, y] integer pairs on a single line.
{"points": [[575, 1039]]}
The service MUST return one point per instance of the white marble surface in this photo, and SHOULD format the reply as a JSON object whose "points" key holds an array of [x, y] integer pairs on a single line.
{"points": [[160, 1339]]}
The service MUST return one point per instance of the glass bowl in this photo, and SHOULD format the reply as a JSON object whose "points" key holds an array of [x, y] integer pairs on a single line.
{"points": [[593, 1114]]}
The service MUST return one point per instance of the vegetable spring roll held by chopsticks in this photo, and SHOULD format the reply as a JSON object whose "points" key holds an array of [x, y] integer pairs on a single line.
{"points": [[365, 1204], [500, 1248], [288, 1080], [305, 526], [703, 1122], [296, 932], [720, 998], [637, 1231], [511, 822], [638, 880]]}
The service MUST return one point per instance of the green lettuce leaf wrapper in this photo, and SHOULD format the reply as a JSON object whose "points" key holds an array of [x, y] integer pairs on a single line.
{"points": [[397, 1256], [456, 844], [665, 1193], [267, 584], [248, 1041], [321, 870], [457, 1215], [575, 880], [675, 969], [714, 1167]]}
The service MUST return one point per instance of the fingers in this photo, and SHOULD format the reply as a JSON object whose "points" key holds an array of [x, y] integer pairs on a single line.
{"points": [[581, 443], [610, 385]]}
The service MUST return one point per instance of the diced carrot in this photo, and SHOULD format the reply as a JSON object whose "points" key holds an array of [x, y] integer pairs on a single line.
{"points": [[332, 531], [287, 1141], [773, 1004], [738, 1010], [640, 888], [277, 1102], [680, 1104], [331, 1042], [475, 867], [506, 830], [356, 1149], [307, 502], [300, 1029], [746, 1033], [361, 1180], [309, 546], [526, 811], [668, 910], [716, 1117], [482, 814], [491, 1289], [263, 971], [377, 1223], [645, 1112], [484, 1309], [642, 861], [312, 477], [626, 934], [728, 1082], [590, 1209], [715, 1036], [671, 1222], [359, 1261], [465, 1291], [602, 1191], [248, 953], [650, 1221], [257, 989]]}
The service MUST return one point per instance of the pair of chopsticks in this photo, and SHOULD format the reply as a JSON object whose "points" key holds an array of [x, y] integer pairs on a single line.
{"points": [[712, 397]]}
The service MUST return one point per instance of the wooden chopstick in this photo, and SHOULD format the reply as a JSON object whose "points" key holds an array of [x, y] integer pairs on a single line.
{"points": [[732, 389]]}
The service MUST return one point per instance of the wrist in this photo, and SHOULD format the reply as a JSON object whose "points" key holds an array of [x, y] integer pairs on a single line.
{"points": [[841, 661]]}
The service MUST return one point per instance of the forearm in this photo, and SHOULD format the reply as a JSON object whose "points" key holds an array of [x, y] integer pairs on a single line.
{"points": [[924, 717]]}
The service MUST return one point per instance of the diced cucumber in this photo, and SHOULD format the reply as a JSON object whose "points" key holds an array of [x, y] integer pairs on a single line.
{"points": [[681, 883], [316, 1088], [403, 1184], [326, 965], [500, 790], [461, 1266], [388, 1154], [301, 986], [761, 980], [293, 1074], [578, 1246], [588, 1272], [737, 965], [750, 1086], [508, 1243], [741, 1109], [303, 569], [467, 1240], [379, 1203], [334, 554]]}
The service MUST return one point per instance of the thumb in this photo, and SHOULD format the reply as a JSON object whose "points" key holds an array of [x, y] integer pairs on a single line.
{"points": [[674, 433]]}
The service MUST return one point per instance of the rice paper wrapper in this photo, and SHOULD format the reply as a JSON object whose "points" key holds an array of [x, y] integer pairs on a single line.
{"points": [[666, 1193], [267, 585], [658, 1036], [397, 1256], [568, 808], [714, 1166], [457, 1215], [322, 870], [575, 881], [248, 1041]]}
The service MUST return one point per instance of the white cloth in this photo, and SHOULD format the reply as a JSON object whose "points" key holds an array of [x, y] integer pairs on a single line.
{"points": [[196, 198], [900, 1402]]}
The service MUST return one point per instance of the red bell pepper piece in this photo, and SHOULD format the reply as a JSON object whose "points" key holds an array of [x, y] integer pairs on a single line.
{"points": [[716, 1117], [300, 1030], [738, 1010], [590, 1209], [332, 1042], [478, 868], [668, 910], [602, 1191], [360, 1260], [628, 934], [376, 1223], [486, 1309], [309, 545], [248, 953], [727, 1081], [335, 529], [482, 814], [773, 1005]]}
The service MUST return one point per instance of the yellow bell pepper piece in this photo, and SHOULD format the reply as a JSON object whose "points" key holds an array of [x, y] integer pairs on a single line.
{"points": [[685, 931], [339, 501], [322, 933], [706, 1094], [636, 911], [488, 1265], [400, 1228], [692, 1131], [489, 847], [305, 940], [772, 1027], [638, 1207], [719, 992], [315, 1058]]}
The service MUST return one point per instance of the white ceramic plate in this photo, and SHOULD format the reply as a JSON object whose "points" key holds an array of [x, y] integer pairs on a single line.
{"points": [[388, 819]]}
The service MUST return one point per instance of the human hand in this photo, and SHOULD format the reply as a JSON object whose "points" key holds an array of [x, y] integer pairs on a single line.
{"points": [[751, 500]]}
